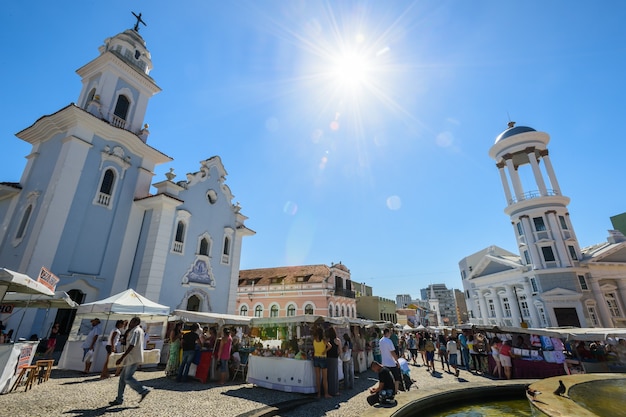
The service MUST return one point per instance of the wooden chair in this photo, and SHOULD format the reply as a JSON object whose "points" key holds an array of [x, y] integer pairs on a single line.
{"points": [[44, 369], [30, 372]]}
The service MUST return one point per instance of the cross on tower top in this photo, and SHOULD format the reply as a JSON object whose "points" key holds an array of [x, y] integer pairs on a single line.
{"points": [[136, 28]]}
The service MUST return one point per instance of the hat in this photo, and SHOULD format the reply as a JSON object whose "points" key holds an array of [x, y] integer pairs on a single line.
{"points": [[96, 319]]}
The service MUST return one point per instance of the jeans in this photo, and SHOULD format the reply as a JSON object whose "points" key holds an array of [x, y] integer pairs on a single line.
{"points": [[183, 371], [126, 377], [466, 358], [348, 374]]}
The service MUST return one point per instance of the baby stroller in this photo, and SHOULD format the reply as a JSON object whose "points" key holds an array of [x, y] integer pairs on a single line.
{"points": [[405, 372]]}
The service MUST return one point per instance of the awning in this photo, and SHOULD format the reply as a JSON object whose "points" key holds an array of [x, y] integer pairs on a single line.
{"points": [[11, 281], [60, 299], [217, 318]]}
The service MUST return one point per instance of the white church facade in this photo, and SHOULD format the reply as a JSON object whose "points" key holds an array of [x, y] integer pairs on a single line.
{"points": [[551, 281], [84, 209]]}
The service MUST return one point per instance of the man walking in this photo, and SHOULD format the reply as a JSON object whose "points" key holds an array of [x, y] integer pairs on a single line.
{"points": [[389, 357], [130, 360], [90, 343]]}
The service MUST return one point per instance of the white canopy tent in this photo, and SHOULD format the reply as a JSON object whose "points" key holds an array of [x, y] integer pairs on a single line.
{"points": [[122, 306], [11, 281], [214, 318], [60, 299], [126, 302]]}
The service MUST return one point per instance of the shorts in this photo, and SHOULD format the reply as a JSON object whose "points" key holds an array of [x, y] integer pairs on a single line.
{"points": [[413, 352], [452, 359], [395, 371], [223, 365], [505, 360], [430, 356], [319, 362]]}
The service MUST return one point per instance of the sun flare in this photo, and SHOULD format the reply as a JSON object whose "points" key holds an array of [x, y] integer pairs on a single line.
{"points": [[351, 69]]}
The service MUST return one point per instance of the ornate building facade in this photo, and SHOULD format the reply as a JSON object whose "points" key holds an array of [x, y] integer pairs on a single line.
{"points": [[83, 207], [552, 281]]}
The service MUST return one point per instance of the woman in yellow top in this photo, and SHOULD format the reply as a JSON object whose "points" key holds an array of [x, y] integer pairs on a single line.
{"points": [[320, 347]]}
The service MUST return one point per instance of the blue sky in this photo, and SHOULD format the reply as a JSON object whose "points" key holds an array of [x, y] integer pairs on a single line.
{"points": [[353, 131]]}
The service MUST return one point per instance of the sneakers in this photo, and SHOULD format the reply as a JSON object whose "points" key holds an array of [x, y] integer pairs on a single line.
{"points": [[115, 402], [143, 395]]}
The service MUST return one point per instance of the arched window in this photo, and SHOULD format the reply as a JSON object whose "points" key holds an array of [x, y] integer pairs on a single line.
{"points": [[291, 310], [243, 311], [121, 107], [179, 240], [90, 97], [226, 251], [258, 311], [343, 311], [204, 247], [274, 311], [330, 311], [107, 182], [193, 303], [24, 222], [308, 309], [106, 187], [336, 311]]}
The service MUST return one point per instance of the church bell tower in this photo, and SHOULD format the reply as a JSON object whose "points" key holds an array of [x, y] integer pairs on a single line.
{"points": [[535, 204]]}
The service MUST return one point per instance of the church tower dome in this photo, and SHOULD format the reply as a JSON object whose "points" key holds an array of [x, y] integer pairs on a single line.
{"points": [[535, 204], [117, 84]]}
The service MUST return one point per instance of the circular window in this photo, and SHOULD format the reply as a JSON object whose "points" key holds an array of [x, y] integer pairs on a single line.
{"points": [[211, 195]]}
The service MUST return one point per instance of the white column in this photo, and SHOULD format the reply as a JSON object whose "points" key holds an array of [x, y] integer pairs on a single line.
{"points": [[514, 305], [562, 252], [537, 172], [505, 183], [550, 171], [603, 308], [529, 232], [528, 292], [497, 303], [484, 310], [517, 184]]}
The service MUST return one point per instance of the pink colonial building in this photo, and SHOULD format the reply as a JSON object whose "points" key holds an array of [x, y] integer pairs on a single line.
{"points": [[294, 290]]}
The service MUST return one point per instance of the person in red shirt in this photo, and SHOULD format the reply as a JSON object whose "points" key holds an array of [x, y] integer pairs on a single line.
{"points": [[505, 359]]}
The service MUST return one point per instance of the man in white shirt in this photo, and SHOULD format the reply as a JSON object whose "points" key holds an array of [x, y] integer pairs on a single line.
{"points": [[453, 353], [90, 343], [389, 357], [130, 360]]}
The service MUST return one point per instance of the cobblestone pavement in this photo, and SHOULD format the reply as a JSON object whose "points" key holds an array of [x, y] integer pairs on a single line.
{"points": [[70, 393]]}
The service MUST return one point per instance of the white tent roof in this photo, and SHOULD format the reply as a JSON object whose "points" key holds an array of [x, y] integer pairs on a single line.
{"points": [[566, 333], [217, 318], [60, 300], [16, 282], [305, 318], [126, 302]]}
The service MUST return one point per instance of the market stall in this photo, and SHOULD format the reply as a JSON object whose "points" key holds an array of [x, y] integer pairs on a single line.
{"points": [[205, 369], [122, 306], [547, 352], [282, 359], [14, 356]]}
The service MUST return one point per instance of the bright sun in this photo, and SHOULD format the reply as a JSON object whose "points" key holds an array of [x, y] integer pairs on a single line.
{"points": [[351, 69]]}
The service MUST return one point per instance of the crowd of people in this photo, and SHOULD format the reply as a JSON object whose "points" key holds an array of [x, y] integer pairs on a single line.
{"points": [[391, 350]]}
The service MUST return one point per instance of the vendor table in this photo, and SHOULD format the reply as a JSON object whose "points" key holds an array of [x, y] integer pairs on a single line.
{"points": [[282, 374], [14, 356], [533, 369]]}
